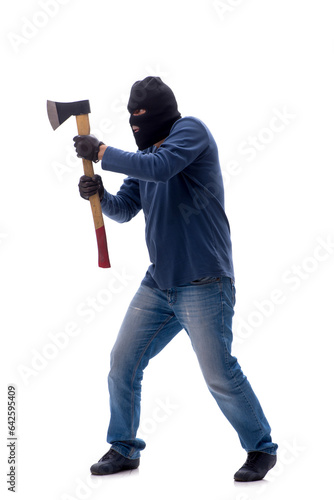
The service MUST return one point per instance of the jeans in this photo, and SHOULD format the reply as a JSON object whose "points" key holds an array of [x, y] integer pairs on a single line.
{"points": [[204, 309]]}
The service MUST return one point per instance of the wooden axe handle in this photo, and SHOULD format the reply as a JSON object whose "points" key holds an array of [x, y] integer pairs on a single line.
{"points": [[84, 129]]}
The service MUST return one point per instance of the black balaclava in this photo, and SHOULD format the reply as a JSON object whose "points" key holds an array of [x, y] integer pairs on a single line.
{"points": [[159, 101]]}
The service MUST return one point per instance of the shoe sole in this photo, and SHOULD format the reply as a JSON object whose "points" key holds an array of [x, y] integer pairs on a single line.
{"points": [[115, 472]]}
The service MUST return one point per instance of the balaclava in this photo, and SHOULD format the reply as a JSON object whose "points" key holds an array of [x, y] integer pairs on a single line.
{"points": [[159, 101]]}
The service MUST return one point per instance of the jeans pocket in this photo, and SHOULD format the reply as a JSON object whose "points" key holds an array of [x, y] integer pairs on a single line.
{"points": [[205, 281], [233, 292]]}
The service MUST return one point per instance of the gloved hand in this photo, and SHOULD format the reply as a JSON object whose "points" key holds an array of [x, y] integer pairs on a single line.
{"points": [[87, 146], [91, 185]]}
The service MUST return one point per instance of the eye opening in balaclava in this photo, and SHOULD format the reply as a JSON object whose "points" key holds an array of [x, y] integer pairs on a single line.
{"points": [[153, 95]]}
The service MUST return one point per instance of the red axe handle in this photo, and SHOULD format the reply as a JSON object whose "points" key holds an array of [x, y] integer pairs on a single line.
{"points": [[84, 129]]}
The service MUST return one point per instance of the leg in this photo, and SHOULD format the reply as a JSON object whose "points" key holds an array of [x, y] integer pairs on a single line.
{"points": [[205, 311], [149, 325]]}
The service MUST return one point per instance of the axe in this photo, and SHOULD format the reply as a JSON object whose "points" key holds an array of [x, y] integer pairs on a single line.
{"points": [[58, 112]]}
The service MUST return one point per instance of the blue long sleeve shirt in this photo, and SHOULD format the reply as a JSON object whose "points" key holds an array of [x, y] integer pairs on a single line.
{"points": [[180, 189]]}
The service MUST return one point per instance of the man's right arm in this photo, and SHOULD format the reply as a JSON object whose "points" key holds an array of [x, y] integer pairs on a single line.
{"points": [[125, 205], [121, 207]]}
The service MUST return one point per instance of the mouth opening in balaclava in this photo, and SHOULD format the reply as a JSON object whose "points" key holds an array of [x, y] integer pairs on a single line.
{"points": [[153, 95]]}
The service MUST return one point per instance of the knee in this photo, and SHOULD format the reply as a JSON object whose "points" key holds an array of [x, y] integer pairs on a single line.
{"points": [[118, 366], [124, 369], [224, 376]]}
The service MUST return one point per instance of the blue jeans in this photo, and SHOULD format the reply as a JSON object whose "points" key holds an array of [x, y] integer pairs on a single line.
{"points": [[204, 309]]}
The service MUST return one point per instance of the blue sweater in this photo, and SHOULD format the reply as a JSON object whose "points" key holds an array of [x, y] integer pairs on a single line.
{"points": [[180, 189]]}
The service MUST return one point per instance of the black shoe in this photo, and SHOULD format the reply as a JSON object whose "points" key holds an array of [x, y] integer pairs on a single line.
{"points": [[113, 462], [256, 466]]}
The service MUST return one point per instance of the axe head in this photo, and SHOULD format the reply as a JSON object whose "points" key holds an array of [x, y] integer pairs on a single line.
{"points": [[58, 112]]}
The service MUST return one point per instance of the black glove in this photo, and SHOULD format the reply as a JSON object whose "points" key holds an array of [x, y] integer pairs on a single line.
{"points": [[91, 185], [87, 146]]}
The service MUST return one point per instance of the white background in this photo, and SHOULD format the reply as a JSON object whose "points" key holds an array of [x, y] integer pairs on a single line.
{"points": [[233, 64]]}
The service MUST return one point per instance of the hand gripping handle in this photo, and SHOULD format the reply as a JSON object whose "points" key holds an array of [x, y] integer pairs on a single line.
{"points": [[84, 129]]}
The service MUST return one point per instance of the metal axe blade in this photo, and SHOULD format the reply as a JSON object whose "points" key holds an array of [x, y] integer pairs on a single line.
{"points": [[58, 112]]}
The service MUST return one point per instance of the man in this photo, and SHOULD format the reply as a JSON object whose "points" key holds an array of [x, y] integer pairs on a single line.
{"points": [[175, 178]]}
